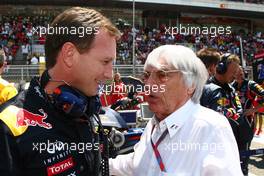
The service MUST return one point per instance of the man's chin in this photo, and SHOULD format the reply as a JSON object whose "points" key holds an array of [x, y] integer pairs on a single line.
{"points": [[90, 93], [93, 94]]}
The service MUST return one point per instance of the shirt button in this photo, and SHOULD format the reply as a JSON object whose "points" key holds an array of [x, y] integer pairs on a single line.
{"points": [[81, 168]]}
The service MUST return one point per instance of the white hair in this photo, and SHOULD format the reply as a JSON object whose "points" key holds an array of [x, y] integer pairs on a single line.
{"points": [[184, 59]]}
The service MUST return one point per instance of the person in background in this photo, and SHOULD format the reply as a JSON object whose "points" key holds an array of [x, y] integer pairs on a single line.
{"points": [[25, 50], [259, 115], [10, 58], [210, 57], [118, 89], [7, 90], [248, 91], [118, 93], [220, 96], [34, 60], [175, 78]]}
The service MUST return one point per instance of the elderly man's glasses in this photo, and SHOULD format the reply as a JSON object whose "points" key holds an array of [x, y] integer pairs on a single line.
{"points": [[160, 76]]}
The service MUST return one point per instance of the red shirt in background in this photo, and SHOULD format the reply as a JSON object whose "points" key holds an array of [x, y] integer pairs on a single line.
{"points": [[118, 92]]}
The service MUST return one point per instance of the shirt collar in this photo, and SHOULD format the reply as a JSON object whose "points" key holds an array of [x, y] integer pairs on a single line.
{"points": [[175, 120]]}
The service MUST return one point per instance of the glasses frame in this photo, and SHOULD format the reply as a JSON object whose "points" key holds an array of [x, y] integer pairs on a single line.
{"points": [[156, 76]]}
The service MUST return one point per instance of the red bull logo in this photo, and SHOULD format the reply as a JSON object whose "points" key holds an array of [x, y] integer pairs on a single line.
{"points": [[223, 102], [25, 118]]}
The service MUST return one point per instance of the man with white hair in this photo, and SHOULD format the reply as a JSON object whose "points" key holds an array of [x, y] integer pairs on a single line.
{"points": [[182, 138]]}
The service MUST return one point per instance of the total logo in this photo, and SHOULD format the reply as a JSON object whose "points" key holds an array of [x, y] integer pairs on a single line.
{"points": [[61, 167]]}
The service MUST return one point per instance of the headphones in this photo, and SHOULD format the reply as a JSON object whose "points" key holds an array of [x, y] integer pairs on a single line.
{"points": [[221, 67], [71, 101]]}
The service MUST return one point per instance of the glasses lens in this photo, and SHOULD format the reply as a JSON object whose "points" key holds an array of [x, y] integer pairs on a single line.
{"points": [[161, 75]]}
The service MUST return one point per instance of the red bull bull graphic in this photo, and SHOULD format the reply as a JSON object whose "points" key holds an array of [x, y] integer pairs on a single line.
{"points": [[24, 118]]}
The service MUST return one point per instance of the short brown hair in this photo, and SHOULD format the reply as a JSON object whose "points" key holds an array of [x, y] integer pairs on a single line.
{"points": [[209, 56], [76, 17]]}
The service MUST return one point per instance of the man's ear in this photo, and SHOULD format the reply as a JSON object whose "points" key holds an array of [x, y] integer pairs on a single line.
{"points": [[67, 52], [190, 90], [212, 69]]}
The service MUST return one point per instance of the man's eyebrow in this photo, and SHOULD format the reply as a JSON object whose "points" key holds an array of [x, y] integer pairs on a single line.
{"points": [[164, 67]]}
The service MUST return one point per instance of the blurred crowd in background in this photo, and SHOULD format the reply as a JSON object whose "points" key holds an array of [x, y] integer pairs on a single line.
{"points": [[18, 32]]}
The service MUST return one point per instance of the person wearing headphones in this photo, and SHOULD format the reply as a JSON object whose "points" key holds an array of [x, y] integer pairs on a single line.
{"points": [[220, 96], [53, 127], [7, 90], [248, 91], [250, 94], [172, 142]]}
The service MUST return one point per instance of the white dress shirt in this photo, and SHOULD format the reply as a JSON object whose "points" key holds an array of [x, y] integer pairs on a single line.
{"points": [[200, 142]]}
